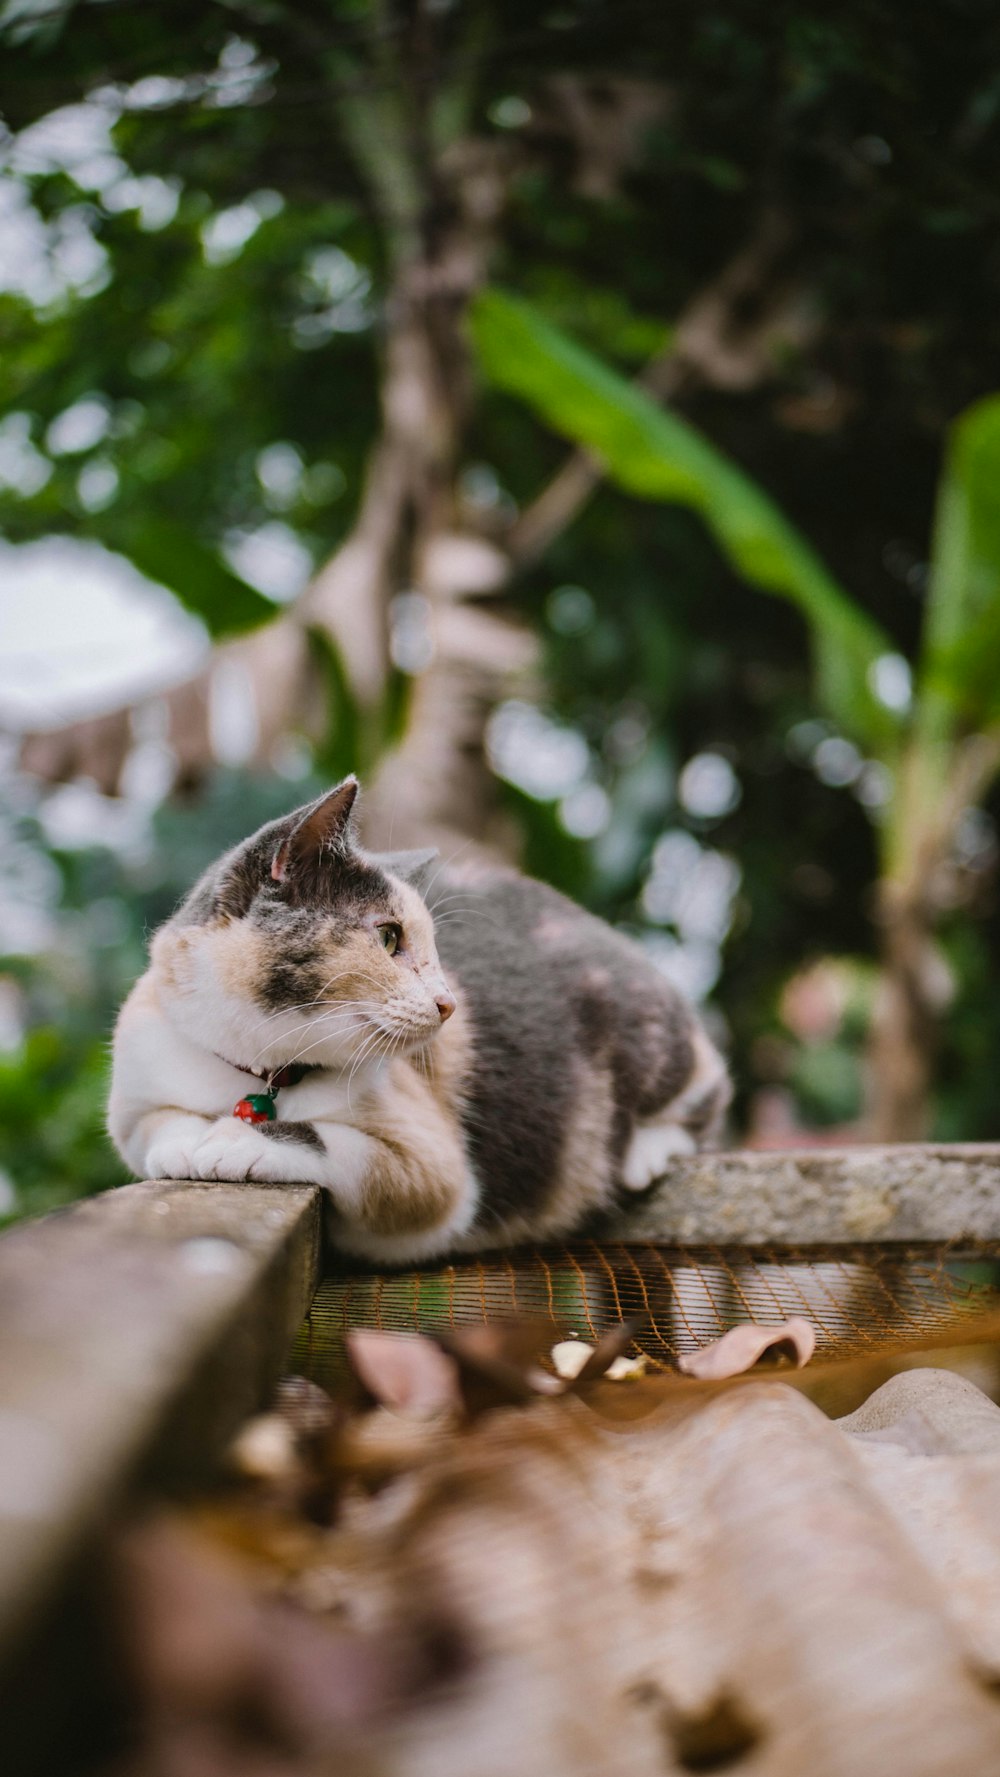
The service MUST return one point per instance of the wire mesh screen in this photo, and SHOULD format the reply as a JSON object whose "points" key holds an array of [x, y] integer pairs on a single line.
{"points": [[860, 1299]]}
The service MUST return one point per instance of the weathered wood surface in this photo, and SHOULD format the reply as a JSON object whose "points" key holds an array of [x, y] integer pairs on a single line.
{"points": [[136, 1331], [918, 1192]]}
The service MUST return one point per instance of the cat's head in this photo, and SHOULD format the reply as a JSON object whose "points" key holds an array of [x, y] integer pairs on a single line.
{"points": [[299, 945]]}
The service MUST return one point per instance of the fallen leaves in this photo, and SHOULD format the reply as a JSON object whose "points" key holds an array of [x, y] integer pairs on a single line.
{"points": [[289, 1454], [469, 1370], [576, 1361], [406, 1372], [227, 1676], [256, 1635]]}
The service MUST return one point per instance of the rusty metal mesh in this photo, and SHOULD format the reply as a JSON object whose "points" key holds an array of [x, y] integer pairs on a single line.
{"points": [[860, 1299]]}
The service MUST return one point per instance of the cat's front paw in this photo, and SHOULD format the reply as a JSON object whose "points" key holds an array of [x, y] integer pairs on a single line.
{"points": [[650, 1152], [172, 1156], [231, 1150]]}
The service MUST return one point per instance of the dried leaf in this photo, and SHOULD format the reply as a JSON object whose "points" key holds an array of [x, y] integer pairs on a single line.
{"points": [[572, 1358], [516, 1342], [289, 1455], [375, 1448], [189, 1627], [611, 1346], [744, 1345], [487, 1365], [306, 1407], [204, 1647], [569, 1357], [627, 1369], [715, 1737], [498, 1363], [406, 1372], [319, 1682], [264, 1449]]}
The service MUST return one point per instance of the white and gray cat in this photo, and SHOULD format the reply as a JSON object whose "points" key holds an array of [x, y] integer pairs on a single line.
{"points": [[462, 1057]]}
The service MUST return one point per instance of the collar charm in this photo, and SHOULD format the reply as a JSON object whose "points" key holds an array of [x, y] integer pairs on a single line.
{"points": [[259, 1107]]}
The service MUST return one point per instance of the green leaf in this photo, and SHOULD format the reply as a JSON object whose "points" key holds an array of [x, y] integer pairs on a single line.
{"points": [[657, 456], [960, 667], [170, 554]]}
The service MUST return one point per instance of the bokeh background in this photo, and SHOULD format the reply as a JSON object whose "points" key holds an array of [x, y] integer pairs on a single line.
{"points": [[577, 420]]}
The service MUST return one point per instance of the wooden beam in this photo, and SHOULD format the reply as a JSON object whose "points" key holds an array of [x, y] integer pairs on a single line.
{"points": [[136, 1331]]}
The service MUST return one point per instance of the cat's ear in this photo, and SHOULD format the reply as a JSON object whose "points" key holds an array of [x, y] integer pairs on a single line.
{"points": [[322, 826], [407, 865]]}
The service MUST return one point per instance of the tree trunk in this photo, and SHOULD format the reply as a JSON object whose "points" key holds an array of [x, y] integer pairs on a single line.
{"points": [[913, 990]]}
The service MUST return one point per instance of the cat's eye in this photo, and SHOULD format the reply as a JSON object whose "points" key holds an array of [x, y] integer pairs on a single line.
{"points": [[390, 936]]}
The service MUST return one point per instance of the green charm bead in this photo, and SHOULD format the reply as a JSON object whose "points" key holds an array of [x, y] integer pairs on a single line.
{"points": [[257, 1107]]}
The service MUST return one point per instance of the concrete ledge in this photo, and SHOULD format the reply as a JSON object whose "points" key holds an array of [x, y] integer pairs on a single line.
{"points": [[136, 1331], [814, 1195]]}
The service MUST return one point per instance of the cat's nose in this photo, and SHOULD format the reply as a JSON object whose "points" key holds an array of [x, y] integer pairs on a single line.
{"points": [[445, 1003]]}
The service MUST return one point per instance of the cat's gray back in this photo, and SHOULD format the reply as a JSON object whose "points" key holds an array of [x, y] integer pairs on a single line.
{"points": [[560, 1005]]}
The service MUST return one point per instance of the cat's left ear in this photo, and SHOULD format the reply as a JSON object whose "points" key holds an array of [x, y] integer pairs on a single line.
{"points": [[407, 865], [323, 825]]}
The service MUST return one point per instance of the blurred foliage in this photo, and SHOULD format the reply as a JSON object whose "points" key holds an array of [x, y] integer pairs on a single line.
{"points": [[236, 308], [654, 454], [101, 904], [53, 1091], [961, 659]]}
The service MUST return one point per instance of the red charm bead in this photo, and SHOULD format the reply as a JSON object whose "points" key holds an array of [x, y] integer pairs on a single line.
{"points": [[257, 1108]]}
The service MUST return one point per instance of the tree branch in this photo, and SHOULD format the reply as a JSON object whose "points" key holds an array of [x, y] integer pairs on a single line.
{"points": [[726, 338]]}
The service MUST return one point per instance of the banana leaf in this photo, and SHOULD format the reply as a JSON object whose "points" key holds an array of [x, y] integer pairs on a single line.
{"points": [[959, 678], [654, 454]]}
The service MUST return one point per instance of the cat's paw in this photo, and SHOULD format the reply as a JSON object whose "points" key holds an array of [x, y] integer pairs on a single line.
{"points": [[650, 1152], [172, 1156], [231, 1150]]}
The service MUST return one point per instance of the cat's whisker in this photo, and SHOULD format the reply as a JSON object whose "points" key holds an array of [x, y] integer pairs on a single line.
{"points": [[298, 1005], [462, 896], [450, 894], [301, 1053], [491, 919], [338, 975], [364, 1053], [346, 1016], [444, 912], [478, 911], [334, 1008], [330, 1007], [459, 916]]}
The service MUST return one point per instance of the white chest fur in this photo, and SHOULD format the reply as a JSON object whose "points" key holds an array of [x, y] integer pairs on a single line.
{"points": [[159, 1066]]}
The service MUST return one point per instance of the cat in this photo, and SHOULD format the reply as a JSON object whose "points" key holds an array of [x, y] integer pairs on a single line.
{"points": [[462, 1057]]}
